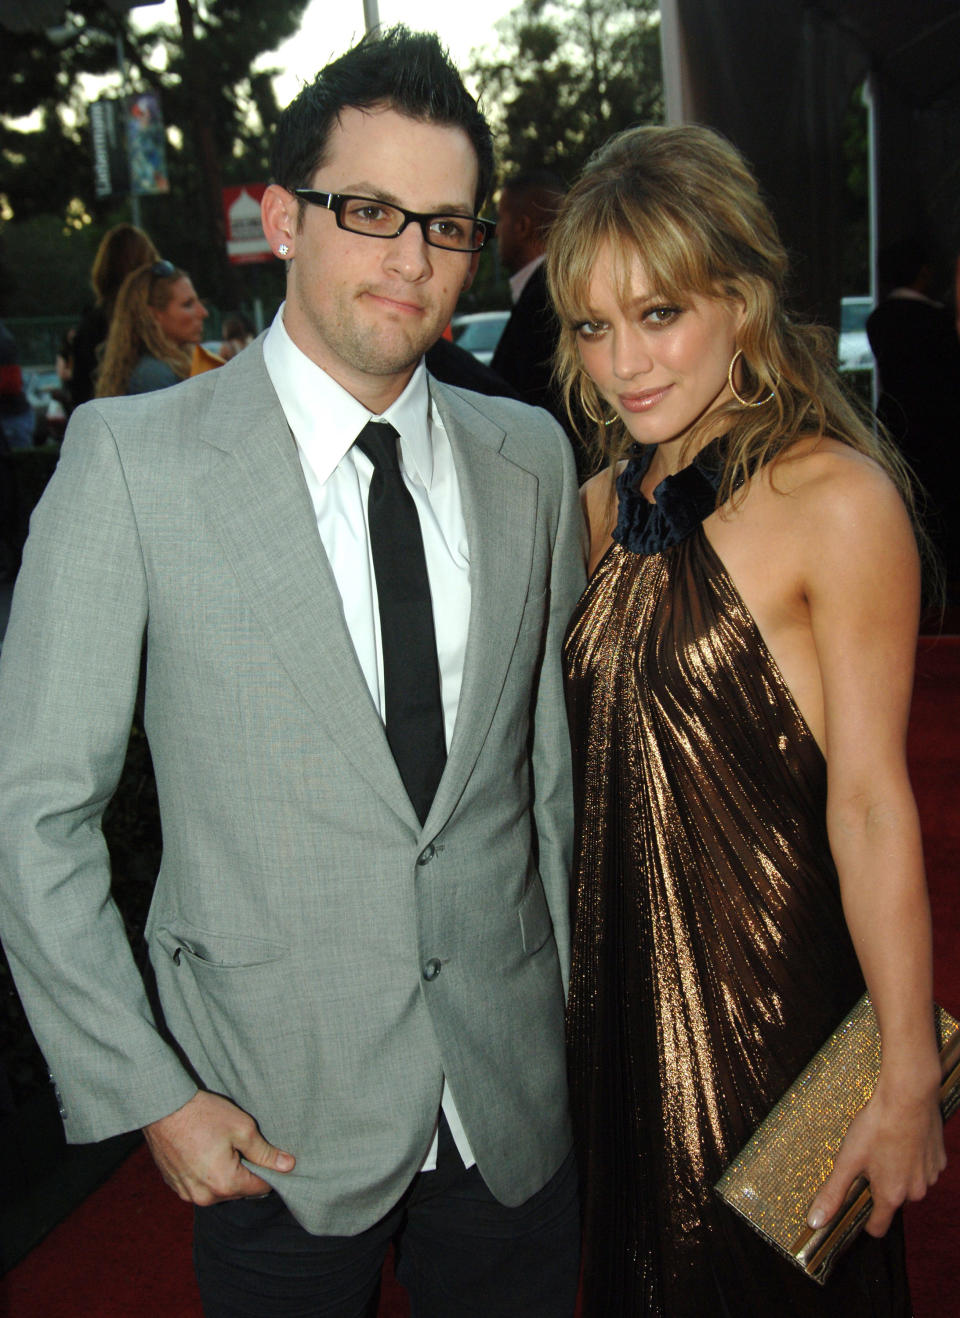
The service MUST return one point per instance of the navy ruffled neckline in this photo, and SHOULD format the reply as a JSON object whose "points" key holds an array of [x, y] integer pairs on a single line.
{"points": [[681, 501]]}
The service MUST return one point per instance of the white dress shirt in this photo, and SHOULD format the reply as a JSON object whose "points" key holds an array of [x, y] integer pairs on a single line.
{"points": [[325, 420], [519, 281]]}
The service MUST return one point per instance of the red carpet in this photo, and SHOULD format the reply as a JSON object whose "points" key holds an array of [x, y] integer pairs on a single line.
{"points": [[125, 1252], [934, 747]]}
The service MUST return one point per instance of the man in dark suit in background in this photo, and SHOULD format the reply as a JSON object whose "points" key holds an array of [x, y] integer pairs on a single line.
{"points": [[524, 357], [914, 340]]}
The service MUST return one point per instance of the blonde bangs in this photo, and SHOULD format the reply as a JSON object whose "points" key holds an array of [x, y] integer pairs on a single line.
{"points": [[685, 203]]}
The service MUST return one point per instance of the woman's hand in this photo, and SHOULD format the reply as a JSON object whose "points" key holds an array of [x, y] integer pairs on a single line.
{"points": [[896, 1142]]}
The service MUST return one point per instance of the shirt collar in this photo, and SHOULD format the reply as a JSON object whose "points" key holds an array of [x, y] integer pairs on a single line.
{"points": [[911, 295], [326, 419], [519, 281]]}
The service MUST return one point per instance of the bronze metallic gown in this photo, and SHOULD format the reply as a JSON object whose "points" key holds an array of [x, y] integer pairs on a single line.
{"points": [[710, 958]]}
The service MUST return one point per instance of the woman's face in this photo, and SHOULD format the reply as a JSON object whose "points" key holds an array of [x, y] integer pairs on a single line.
{"points": [[661, 364], [182, 318]]}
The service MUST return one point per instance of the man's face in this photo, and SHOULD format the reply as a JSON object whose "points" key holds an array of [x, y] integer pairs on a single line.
{"points": [[366, 309]]}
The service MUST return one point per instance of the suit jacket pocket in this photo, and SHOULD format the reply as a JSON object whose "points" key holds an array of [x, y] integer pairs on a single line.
{"points": [[227, 1000], [535, 923], [216, 951]]}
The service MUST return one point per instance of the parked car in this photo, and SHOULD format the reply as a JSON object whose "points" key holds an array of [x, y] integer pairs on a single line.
{"points": [[479, 332], [854, 347]]}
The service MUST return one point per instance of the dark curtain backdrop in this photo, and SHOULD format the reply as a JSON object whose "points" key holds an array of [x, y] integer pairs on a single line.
{"points": [[776, 76]]}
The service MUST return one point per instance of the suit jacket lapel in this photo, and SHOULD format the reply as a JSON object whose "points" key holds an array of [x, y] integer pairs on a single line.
{"points": [[260, 509], [499, 504]]}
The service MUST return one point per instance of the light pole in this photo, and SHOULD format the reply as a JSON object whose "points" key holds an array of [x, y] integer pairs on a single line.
{"points": [[371, 14], [69, 30], [125, 85]]}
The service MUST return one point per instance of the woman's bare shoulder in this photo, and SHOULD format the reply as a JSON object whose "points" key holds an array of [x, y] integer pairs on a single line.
{"points": [[599, 492], [822, 459], [825, 502], [824, 477]]}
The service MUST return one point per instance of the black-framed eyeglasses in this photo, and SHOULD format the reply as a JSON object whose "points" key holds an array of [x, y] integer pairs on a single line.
{"points": [[163, 269], [378, 219]]}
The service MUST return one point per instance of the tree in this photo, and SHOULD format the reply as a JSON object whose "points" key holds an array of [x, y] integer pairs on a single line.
{"points": [[568, 74], [565, 75], [217, 114]]}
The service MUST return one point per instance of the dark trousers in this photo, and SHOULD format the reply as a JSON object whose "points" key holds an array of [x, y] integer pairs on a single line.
{"points": [[459, 1252]]}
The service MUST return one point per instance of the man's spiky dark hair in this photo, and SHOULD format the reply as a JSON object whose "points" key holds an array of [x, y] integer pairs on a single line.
{"points": [[408, 71]]}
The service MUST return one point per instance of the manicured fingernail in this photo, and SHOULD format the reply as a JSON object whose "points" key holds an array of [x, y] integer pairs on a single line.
{"points": [[816, 1218]]}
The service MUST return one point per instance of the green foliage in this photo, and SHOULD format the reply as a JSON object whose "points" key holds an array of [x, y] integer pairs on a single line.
{"points": [[40, 72], [46, 267], [227, 37], [217, 112], [43, 170], [568, 74]]}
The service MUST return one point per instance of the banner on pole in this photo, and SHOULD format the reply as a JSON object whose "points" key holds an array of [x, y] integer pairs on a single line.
{"points": [[146, 145]]}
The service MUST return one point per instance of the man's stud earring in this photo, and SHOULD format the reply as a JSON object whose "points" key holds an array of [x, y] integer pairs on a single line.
{"points": [[283, 249]]}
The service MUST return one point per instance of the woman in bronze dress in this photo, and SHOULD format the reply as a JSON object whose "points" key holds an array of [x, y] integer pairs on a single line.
{"points": [[739, 674]]}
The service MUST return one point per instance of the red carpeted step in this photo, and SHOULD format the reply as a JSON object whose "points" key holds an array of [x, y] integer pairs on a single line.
{"points": [[125, 1251], [934, 753]]}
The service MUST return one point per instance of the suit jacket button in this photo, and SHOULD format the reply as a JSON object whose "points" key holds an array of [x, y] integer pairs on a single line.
{"points": [[432, 969], [427, 854]]}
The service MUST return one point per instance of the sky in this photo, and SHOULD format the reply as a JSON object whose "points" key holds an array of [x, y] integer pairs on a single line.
{"points": [[330, 26]]}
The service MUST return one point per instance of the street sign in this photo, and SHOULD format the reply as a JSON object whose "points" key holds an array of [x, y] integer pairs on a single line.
{"points": [[241, 209], [111, 173]]}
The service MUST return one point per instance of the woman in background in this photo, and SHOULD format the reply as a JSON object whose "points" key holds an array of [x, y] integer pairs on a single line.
{"points": [[750, 623], [237, 333], [157, 322], [122, 249]]}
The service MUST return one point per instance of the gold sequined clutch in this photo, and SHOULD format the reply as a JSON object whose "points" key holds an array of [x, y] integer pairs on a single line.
{"points": [[775, 1176]]}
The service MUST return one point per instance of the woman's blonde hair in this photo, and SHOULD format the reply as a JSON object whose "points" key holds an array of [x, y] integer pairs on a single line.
{"points": [[684, 201], [134, 331]]}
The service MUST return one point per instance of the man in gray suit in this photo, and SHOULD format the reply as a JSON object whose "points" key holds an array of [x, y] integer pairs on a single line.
{"points": [[360, 970]]}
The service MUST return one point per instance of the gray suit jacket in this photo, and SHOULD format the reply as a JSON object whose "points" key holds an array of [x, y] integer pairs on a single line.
{"points": [[298, 899]]}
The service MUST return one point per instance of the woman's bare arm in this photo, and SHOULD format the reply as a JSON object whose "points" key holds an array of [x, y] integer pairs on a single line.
{"points": [[861, 577]]}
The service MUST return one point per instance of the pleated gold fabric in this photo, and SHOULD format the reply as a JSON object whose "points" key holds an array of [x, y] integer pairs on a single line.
{"points": [[711, 958]]}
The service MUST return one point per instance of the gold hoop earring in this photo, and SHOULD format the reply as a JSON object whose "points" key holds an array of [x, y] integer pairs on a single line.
{"points": [[759, 402], [595, 419]]}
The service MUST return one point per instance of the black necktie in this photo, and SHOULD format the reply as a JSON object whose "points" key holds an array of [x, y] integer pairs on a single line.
{"points": [[411, 677]]}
